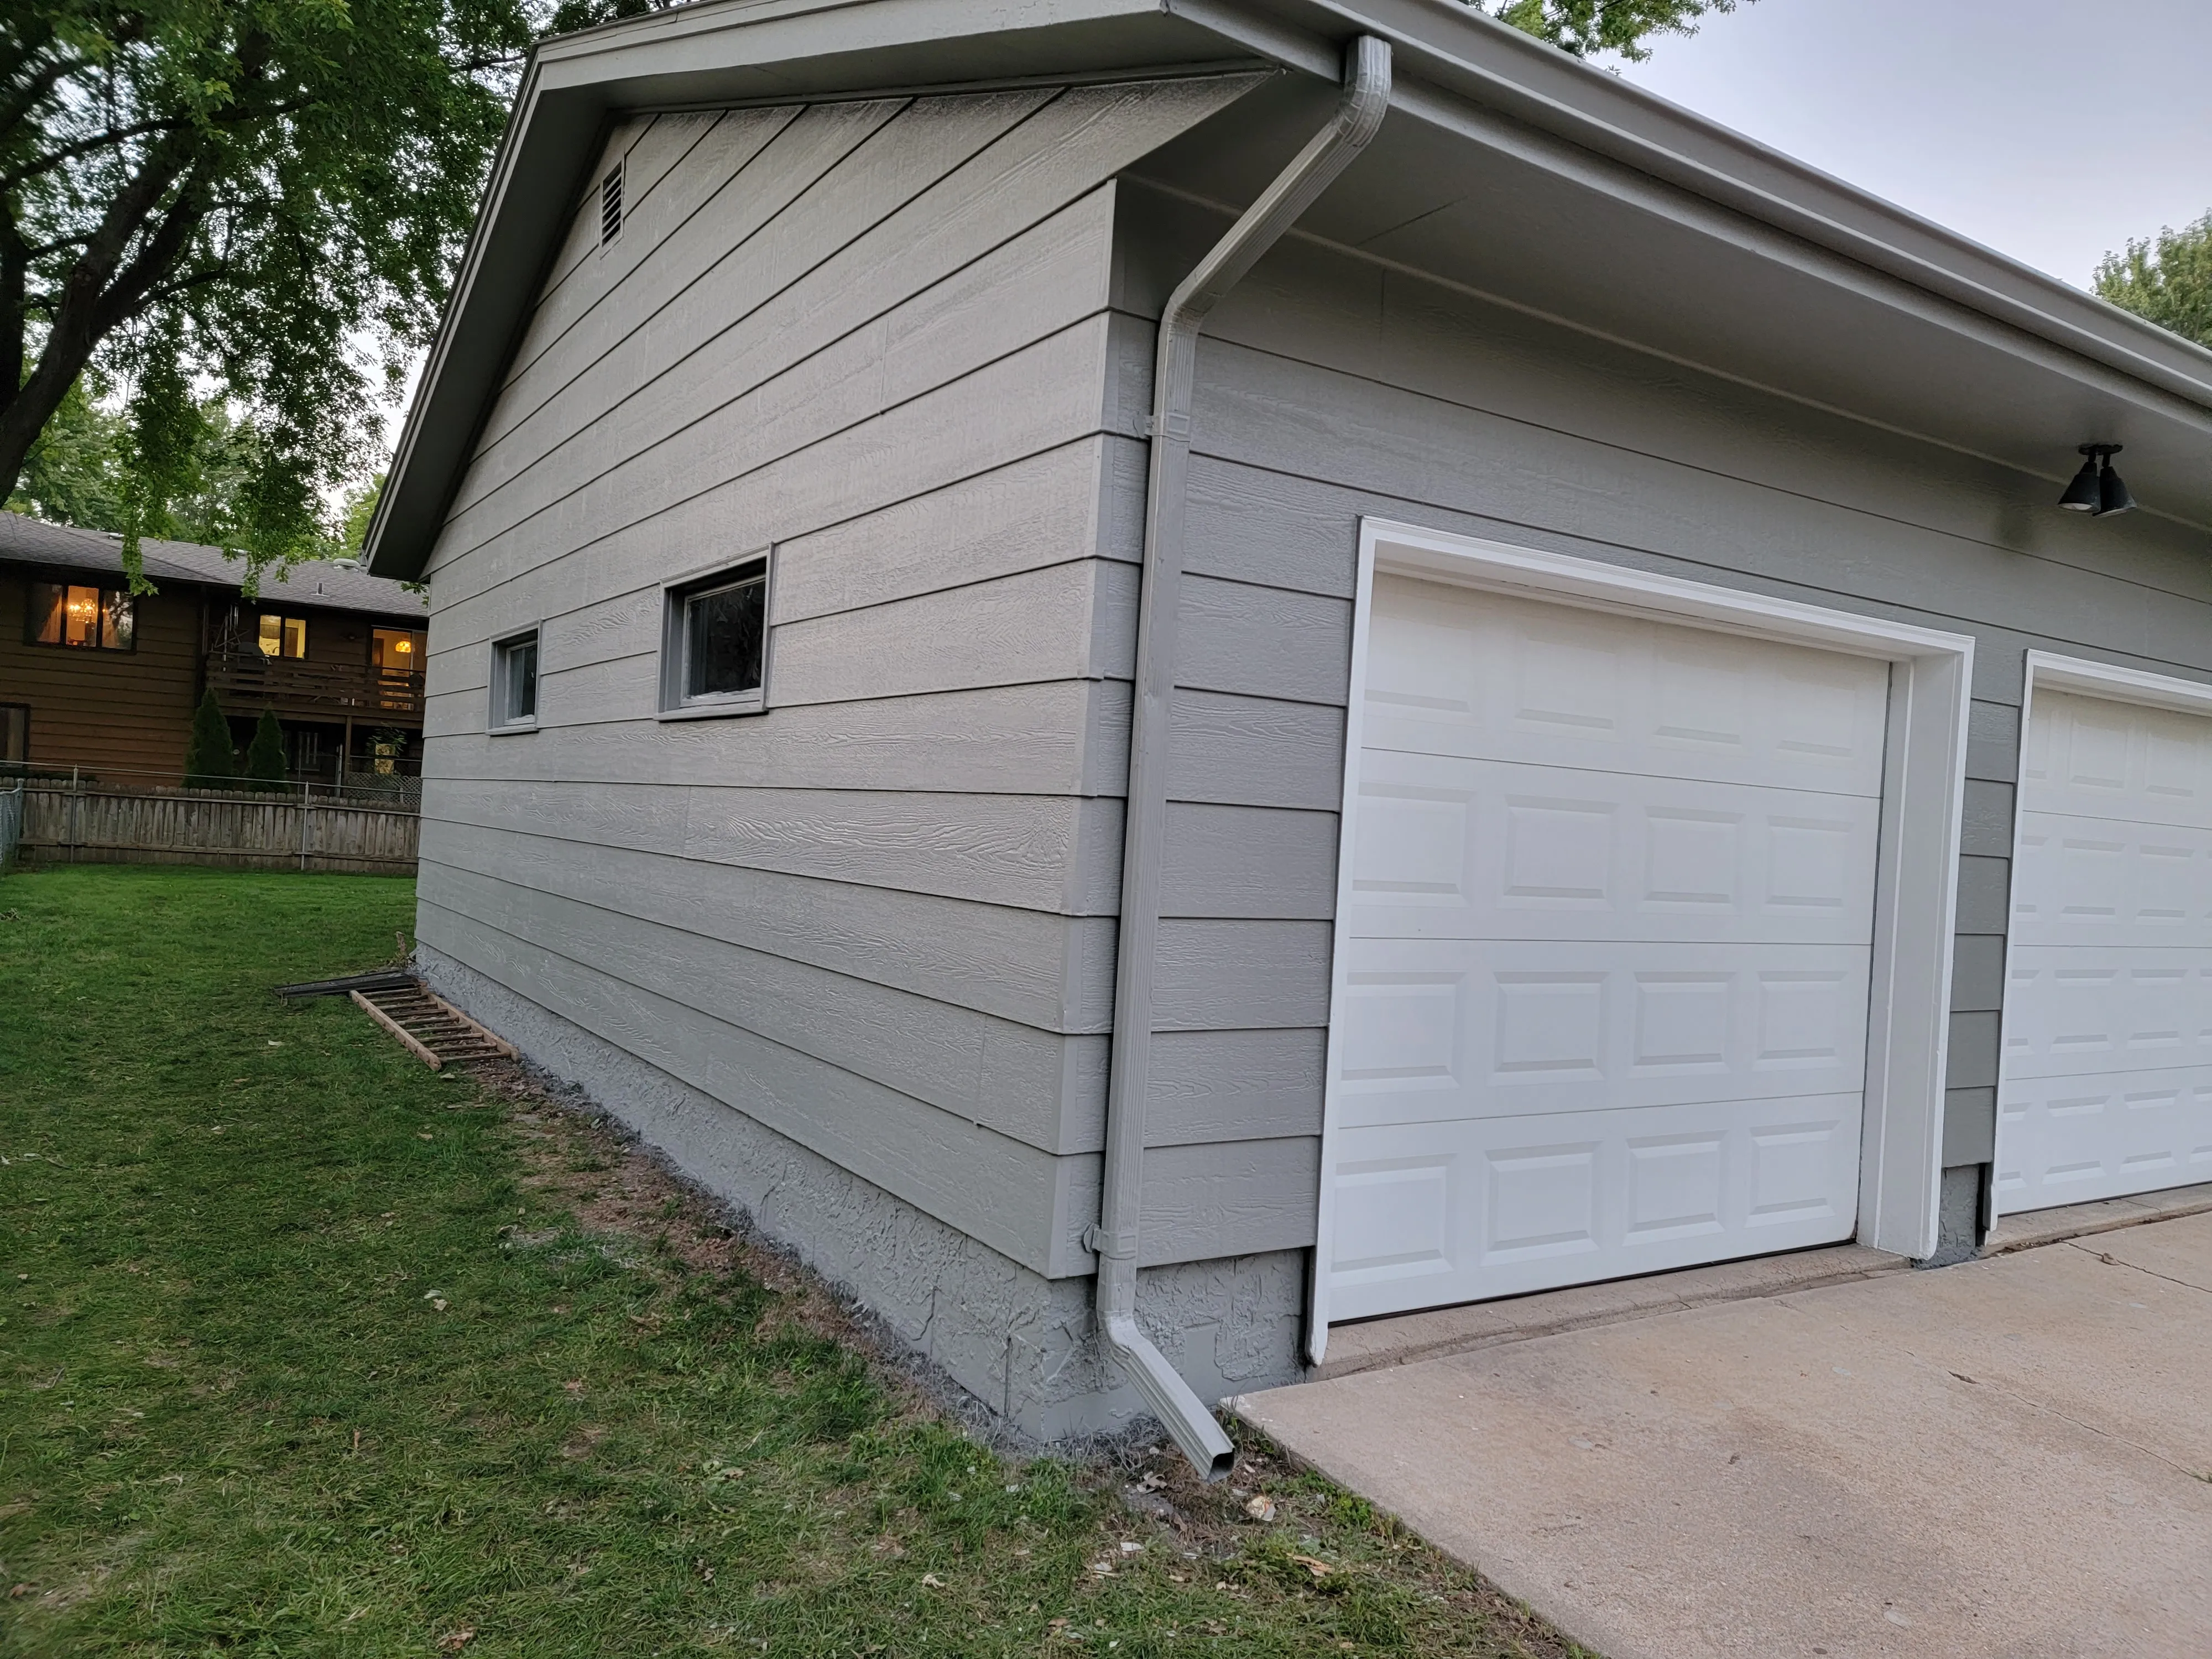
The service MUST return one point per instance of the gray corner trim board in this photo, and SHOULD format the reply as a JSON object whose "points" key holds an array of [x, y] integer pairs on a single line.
{"points": [[1365, 101]]}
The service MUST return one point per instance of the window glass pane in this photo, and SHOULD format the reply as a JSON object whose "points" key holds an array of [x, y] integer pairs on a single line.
{"points": [[295, 636], [524, 703], [518, 681], [722, 640], [46, 601], [81, 618], [15, 734], [271, 636], [397, 650], [117, 620]]}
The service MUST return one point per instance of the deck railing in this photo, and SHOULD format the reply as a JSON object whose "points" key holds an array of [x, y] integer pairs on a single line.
{"points": [[251, 679]]}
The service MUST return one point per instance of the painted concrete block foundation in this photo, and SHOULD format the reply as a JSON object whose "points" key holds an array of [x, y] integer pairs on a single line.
{"points": [[1022, 1345]]}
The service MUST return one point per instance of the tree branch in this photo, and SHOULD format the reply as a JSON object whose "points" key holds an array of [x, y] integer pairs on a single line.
{"points": [[107, 139]]}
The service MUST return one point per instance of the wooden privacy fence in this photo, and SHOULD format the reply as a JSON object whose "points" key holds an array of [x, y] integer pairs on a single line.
{"points": [[11, 822], [93, 824]]}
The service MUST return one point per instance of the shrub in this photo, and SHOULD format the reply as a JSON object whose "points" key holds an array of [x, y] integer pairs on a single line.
{"points": [[210, 761], [264, 755]]}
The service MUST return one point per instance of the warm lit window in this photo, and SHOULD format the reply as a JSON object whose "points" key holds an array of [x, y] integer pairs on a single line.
{"points": [[283, 636], [396, 650], [714, 643], [515, 682], [98, 618]]}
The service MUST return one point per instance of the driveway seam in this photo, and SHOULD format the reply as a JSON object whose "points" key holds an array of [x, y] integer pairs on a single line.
{"points": [[2112, 1261]]}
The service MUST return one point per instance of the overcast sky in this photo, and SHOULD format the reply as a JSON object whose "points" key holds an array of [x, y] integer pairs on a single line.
{"points": [[2051, 130]]}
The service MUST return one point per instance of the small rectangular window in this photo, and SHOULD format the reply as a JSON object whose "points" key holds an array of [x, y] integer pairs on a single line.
{"points": [[281, 635], [714, 643], [515, 682], [611, 204], [92, 618], [15, 734]]}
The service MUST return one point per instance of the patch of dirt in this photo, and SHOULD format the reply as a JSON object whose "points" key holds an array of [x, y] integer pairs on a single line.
{"points": [[619, 1187]]}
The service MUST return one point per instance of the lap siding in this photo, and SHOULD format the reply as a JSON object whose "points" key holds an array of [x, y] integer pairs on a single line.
{"points": [[1330, 388], [878, 918]]}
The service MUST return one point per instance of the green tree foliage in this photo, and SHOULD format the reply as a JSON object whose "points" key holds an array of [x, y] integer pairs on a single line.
{"points": [[360, 506], [1588, 27], [210, 761], [197, 196], [264, 755], [2165, 278], [74, 472]]}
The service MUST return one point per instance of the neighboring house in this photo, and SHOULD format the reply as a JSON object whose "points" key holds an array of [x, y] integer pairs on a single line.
{"points": [[96, 679], [1618, 679]]}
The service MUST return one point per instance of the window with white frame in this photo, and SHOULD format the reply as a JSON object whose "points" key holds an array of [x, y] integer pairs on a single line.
{"points": [[714, 642], [515, 682]]}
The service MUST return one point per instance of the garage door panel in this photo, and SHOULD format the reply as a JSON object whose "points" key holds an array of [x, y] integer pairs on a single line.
{"points": [[1605, 950], [1520, 1204], [1487, 677], [2106, 1081], [1436, 1030], [2071, 1139], [2093, 757], [2085, 881], [2076, 1012], [1452, 848]]}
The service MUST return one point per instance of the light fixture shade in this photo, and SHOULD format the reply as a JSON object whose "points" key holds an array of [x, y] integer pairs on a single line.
{"points": [[2083, 494], [2112, 496]]}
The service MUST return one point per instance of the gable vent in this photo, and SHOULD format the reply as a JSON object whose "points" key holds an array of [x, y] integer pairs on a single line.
{"points": [[610, 205]]}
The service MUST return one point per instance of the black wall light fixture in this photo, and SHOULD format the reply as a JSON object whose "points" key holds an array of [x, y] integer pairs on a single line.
{"points": [[2097, 488]]}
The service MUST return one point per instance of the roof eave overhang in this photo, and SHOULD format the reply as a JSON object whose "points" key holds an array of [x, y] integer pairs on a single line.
{"points": [[1456, 70], [713, 56]]}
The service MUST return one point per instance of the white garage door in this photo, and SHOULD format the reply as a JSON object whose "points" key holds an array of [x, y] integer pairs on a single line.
{"points": [[1607, 947], [2106, 1086]]}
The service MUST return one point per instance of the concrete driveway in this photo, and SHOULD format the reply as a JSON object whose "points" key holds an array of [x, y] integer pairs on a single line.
{"points": [[2009, 1457]]}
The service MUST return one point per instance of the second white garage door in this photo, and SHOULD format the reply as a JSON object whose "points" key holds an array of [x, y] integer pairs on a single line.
{"points": [[1607, 946], [2106, 1087]]}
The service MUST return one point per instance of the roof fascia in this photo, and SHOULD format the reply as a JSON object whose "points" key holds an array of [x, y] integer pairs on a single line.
{"points": [[1456, 68], [1489, 70]]}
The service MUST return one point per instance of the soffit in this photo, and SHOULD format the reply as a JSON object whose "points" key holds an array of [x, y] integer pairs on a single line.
{"points": [[1505, 166]]}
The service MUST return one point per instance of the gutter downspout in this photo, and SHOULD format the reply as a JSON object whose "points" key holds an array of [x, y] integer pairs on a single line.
{"points": [[1359, 113]]}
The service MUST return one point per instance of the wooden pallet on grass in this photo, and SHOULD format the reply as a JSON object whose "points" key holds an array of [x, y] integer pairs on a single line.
{"points": [[434, 1031]]}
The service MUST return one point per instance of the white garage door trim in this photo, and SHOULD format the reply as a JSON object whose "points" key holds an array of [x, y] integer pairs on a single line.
{"points": [[2047, 670], [1917, 876]]}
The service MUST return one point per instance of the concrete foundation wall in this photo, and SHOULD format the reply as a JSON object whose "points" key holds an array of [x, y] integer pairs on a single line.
{"points": [[1021, 1343]]}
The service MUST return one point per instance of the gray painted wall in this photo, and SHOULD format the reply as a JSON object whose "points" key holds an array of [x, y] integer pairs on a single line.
{"points": [[877, 920], [1332, 386], [907, 344]]}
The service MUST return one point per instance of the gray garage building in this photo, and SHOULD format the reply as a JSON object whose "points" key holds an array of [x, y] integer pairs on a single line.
{"points": [[1559, 665]]}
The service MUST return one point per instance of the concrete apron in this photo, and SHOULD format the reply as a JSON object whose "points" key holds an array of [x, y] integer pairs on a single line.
{"points": [[2013, 1457]]}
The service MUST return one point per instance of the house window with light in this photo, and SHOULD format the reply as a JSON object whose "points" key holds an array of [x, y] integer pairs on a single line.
{"points": [[282, 636], [396, 650], [91, 618]]}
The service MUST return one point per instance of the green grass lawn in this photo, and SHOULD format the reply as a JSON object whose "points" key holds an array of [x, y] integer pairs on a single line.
{"points": [[305, 1350]]}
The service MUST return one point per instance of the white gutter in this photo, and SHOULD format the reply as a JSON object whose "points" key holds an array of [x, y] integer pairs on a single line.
{"points": [[1359, 113]]}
